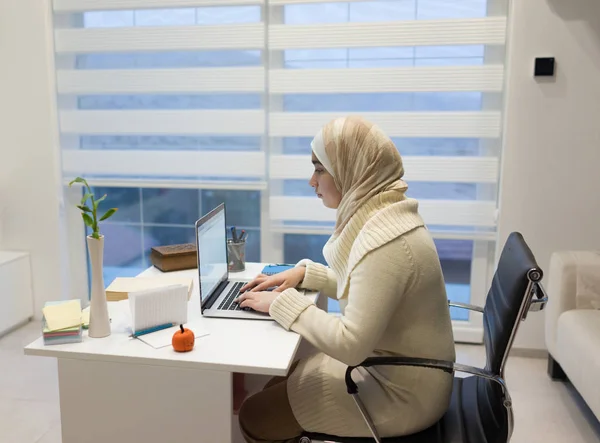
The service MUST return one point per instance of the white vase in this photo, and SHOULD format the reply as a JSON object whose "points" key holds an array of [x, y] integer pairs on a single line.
{"points": [[99, 320]]}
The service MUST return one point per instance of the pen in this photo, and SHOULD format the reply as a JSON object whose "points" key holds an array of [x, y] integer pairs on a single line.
{"points": [[152, 329], [243, 236], [234, 234]]}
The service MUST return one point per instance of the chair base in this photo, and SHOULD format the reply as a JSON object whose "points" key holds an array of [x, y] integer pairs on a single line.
{"points": [[555, 372]]}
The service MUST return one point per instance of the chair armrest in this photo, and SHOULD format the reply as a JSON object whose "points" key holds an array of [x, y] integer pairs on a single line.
{"points": [[538, 302], [540, 299], [444, 365], [455, 304]]}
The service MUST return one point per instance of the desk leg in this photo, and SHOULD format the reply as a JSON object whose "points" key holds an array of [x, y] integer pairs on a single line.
{"points": [[106, 402]]}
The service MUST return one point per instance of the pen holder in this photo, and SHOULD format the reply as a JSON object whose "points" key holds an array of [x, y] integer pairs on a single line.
{"points": [[236, 256]]}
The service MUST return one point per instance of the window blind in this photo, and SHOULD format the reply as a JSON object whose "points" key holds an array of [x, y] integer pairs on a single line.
{"points": [[427, 72], [162, 91], [229, 93]]}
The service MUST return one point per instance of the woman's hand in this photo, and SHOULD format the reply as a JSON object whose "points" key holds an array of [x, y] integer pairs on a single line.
{"points": [[282, 281], [259, 301]]}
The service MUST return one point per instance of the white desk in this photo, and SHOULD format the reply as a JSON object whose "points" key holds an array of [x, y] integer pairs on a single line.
{"points": [[118, 389]]}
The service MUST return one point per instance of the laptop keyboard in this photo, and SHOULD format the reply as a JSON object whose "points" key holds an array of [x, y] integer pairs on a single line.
{"points": [[228, 303]]}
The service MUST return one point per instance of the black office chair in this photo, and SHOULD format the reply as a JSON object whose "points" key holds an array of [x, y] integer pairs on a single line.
{"points": [[480, 410]]}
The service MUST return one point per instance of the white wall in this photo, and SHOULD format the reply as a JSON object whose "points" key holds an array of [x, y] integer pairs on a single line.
{"points": [[29, 156], [550, 178]]}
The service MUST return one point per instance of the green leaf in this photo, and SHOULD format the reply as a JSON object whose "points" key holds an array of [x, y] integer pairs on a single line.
{"points": [[78, 180], [88, 220], [97, 202], [85, 197], [108, 213], [84, 208]]}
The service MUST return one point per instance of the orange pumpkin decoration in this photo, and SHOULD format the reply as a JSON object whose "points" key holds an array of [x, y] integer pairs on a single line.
{"points": [[183, 341]]}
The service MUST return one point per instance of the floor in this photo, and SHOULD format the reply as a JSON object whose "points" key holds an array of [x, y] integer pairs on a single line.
{"points": [[545, 411]]}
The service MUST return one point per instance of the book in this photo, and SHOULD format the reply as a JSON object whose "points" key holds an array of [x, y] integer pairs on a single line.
{"points": [[174, 257], [121, 287]]}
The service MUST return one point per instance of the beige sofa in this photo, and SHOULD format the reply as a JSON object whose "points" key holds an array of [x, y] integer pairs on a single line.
{"points": [[573, 322]]}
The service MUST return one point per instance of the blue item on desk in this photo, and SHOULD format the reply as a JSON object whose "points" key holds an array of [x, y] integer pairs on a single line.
{"points": [[152, 329], [276, 268]]}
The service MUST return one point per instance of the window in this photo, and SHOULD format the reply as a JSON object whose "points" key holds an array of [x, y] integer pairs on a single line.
{"points": [[455, 258], [149, 217], [175, 106]]}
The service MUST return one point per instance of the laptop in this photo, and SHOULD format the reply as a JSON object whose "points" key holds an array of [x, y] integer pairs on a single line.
{"points": [[217, 290]]}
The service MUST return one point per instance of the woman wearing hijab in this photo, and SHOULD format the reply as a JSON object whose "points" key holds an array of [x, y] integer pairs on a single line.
{"points": [[385, 272]]}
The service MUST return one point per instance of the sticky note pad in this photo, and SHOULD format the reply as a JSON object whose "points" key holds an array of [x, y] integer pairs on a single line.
{"points": [[62, 315], [85, 317]]}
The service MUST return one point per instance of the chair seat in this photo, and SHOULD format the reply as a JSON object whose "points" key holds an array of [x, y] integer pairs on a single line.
{"points": [[458, 425]]}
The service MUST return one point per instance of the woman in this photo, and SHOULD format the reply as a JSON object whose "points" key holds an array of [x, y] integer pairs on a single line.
{"points": [[385, 272]]}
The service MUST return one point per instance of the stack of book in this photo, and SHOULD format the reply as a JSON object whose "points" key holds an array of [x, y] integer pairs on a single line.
{"points": [[62, 322]]}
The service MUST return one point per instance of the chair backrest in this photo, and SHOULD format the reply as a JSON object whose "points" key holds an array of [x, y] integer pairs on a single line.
{"points": [[485, 418], [508, 300]]}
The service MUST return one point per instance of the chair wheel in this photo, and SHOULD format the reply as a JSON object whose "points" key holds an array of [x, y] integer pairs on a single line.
{"points": [[304, 440]]}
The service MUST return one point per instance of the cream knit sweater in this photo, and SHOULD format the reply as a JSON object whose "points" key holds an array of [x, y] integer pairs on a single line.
{"points": [[385, 272]]}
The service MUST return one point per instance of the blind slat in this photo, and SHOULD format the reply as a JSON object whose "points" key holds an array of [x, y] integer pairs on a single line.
{"points": [[418, 168], [485, 124], [160, 38], [434, 212], [486, 78], [299, 2], [123, 81], [476, 31], [104, 5], [163, 163], [215, 122]]}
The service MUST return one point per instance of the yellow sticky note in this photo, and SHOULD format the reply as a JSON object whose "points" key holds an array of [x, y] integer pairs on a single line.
{"points": [[63, 315], [85, 317]]}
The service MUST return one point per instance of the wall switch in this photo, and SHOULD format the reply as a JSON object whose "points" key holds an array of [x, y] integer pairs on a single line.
{"points": [[544, 67]]}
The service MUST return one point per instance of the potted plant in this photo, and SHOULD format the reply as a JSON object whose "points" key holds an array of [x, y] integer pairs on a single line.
{"points": [[99, 320]]}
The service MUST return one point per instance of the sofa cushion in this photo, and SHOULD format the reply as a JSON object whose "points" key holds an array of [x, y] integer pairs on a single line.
{"points": [[588, 282], [578, 352]]}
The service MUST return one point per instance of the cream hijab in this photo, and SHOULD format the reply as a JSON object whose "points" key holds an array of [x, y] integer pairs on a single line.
{"points": [[363, 161]]}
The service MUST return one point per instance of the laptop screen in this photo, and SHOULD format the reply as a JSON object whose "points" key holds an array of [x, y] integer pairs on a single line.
{"points": [[212, 251]]}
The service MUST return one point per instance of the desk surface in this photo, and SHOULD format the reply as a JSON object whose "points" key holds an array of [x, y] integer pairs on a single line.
{"points": [[248, 346]]}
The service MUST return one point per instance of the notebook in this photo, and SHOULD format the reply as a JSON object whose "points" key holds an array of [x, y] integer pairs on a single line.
{"points": [[164, 338]]}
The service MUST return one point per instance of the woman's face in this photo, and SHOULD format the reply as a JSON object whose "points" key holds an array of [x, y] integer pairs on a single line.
{"points": [[324, 185]]}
